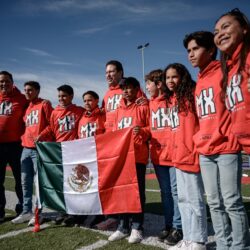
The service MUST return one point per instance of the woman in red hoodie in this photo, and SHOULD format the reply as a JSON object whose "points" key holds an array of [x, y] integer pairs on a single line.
{"points": [[232, 38], [184, 124], [161, 157]]}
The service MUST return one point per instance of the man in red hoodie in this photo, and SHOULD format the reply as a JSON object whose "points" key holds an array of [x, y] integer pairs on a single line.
{"points": [[12, 108], [36, 119], [111, 100]]}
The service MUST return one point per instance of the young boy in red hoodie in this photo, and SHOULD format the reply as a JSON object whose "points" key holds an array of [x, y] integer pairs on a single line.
{"points": [[161, 156], [93, 118], [129, 114], [12, 108], [63, 126], [36, 119]]}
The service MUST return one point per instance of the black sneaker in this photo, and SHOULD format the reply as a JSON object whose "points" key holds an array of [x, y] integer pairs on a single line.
{"points": [[80, 219], [164, 234], [70, 221], [60, 218], [1, 219], [98, 218], [174, 237]]}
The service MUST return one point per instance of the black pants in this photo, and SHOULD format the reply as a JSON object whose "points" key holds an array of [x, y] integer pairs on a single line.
{"points": [[135, 220], [10, 153]]}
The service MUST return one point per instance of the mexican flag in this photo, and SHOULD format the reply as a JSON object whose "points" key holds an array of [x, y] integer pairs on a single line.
{"points": [[95, 175]]}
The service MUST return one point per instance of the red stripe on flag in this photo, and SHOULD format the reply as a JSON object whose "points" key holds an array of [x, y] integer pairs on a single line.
{"points": [[118, 185]]}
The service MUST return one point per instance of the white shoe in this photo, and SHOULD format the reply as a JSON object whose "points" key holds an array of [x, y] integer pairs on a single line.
{"points": [[22, 218], [135, 236], [32, 221], [181, 245], [117, 235], [197, 246], [188, 245]]}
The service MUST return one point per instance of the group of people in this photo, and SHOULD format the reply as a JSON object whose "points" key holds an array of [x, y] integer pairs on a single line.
{"points": [[193, 131]]}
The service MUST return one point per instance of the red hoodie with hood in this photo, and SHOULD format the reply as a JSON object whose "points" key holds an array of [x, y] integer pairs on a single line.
{"points": [[111, 102], [238, 99], [214, 136], [91, 123], [183, 126], [63, 124], [36, 119], [12, 108], [135, 115], [160, 128]]}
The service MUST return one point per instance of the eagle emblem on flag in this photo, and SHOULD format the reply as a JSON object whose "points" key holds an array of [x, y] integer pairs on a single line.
{"points": [[80, 178]]}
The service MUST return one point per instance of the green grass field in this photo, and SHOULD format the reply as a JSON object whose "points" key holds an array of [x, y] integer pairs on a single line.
{"points": [[60, 237]]}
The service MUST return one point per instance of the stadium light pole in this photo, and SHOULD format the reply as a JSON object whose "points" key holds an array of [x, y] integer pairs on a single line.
{"points": [[141, 48]]}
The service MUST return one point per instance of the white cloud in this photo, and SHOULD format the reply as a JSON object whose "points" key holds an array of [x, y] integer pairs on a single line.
{"points": [[61, 63], [124, 9], [93, 30], [50, 81], [38, 52]]}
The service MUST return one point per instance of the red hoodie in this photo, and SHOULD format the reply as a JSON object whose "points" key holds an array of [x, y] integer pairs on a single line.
{"points": [[135, 115], [110, 103], [238, 99], [91, 123], [12, 108], [184, 126], [214, 136], [160, 142], [63, 124], [36, 119]]}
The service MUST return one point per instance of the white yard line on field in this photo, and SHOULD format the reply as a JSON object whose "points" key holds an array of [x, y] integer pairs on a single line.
{"points": [[96, 245], [25, 230]]}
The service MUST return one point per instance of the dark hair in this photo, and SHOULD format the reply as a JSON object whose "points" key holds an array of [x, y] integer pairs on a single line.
{"points": [[244, 22], [155, 76], [185, 90], [6, 73], [117, 64], [129, 81], [92, 93], [33, 84], [203, 39], [66, 88]]}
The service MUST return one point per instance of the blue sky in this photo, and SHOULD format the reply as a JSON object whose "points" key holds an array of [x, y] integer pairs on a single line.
{"points": [[69, 41]]}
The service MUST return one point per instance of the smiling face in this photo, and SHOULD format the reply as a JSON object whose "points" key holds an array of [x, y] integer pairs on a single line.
{"points": [[64, 98], [6, 84], [90, 103], [198, 56], [30, 93], [153, 89], [113, 76], [172, 79], [228, 34]]}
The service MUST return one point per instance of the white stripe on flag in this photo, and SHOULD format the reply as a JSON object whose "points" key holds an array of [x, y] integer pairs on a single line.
{"points": [[80, 193]]}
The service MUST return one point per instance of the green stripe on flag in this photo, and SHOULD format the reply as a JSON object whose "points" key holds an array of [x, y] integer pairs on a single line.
{"points": [[50, 172]]}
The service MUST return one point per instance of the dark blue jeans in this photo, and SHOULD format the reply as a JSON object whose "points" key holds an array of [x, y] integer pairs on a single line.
{"points": [[167, 180], [135, 220], [11, 153]]}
